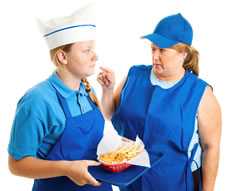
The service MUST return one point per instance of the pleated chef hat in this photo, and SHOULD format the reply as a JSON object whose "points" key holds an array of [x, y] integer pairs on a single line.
{"points": [[79, 26]]}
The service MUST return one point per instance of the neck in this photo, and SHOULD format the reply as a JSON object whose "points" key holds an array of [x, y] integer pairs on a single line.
{"points": [[171, 77], [68, 79]]}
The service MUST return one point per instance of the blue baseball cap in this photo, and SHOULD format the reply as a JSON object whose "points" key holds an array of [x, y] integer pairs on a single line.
{"points": [[171, 30]]}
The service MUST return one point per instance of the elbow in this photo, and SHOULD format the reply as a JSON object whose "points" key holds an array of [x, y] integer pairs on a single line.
{"points": [[211, 145], [13, 166], [108, 116], [211, 148], [107, 113]]}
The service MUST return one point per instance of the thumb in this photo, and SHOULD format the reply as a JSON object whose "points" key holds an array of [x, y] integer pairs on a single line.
{"points": [[92, 163]]}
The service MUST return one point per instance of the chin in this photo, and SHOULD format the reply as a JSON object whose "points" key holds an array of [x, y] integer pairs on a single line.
{"points": [[89, 73], [157, 70]]}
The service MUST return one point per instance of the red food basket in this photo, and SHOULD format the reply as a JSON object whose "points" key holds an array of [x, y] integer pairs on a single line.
{"points": [[116, 167]]}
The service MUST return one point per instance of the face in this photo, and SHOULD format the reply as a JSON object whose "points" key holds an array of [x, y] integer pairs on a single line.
{"points": [[167, 61], [81, 59]]}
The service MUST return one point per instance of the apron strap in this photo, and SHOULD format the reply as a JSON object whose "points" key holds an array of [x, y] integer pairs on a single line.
{"points": [[194, 150], [63, 105], [188, 167], [93, 105]]}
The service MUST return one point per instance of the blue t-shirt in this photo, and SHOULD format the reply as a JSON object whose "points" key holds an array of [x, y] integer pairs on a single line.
{"points": [[39, 118]]}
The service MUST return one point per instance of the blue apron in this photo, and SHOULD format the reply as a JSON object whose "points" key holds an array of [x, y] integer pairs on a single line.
{"points": [[164, 120], [78, 141]]}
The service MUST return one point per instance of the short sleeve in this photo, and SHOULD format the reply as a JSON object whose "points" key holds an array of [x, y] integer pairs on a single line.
{"points": [[26, 134]]}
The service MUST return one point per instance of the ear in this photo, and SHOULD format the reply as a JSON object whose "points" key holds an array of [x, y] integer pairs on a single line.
{"points": [[184, 54], [62, 57]]}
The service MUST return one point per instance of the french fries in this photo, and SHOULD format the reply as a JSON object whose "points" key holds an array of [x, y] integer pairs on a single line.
{"points": [[124, 153]]}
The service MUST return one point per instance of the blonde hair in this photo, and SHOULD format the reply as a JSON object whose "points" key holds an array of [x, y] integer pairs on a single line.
{"points": [[191, 61], [92, 96], [56, 61]]}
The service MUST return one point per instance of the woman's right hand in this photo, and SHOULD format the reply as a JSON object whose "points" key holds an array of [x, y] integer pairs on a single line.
{"points": [[106, 79], [77, 171]]}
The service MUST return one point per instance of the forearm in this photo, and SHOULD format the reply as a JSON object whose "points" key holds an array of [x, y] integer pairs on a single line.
{"points": [[108, 104], [209, 168], [36, 168]]}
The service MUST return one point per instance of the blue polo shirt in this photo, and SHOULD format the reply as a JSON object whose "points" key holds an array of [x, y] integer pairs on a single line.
{"points": [[39, 118]]}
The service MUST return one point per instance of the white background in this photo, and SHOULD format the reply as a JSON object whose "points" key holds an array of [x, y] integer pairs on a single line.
{"points": [[221, 34]]}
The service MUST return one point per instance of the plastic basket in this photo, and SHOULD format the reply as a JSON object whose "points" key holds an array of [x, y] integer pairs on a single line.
{"points": [[116, 167]]}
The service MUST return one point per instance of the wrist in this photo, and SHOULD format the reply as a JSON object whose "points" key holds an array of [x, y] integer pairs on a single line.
{"points": [[109, 90], [65, 168]]}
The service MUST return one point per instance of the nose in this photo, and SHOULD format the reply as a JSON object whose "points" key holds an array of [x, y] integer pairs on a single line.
{"points": [[94, 56], [156, 55]]}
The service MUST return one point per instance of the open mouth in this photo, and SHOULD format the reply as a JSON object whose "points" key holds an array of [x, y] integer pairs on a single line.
{"points": [[157, 65]]}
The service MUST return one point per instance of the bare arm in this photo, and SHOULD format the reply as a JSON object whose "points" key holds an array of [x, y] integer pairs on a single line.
{"points": [[209, 122], [35, 168], [110, 98], [117, 92]]}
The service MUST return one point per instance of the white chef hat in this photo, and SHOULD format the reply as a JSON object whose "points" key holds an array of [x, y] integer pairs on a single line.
{"points": [[79, 26]]}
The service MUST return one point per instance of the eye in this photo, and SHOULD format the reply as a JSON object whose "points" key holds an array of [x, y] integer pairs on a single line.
{"points": [[162, 50], [87, 51]]}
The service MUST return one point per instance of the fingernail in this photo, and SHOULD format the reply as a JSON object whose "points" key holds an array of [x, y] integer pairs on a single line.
{"points": [[98, 184]]}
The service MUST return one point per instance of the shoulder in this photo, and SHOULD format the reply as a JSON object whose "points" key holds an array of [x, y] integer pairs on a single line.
{"points": [[209, 103], [137, 69], [39, 92], [37, 99], [197, 84], [196, 79]]}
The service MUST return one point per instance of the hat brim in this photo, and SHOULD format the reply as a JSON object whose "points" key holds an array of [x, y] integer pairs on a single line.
{"points": [[160, 41]]}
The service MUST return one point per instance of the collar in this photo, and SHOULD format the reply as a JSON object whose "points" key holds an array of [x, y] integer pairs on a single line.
{"points": [[163, 84], [64, 90]]}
